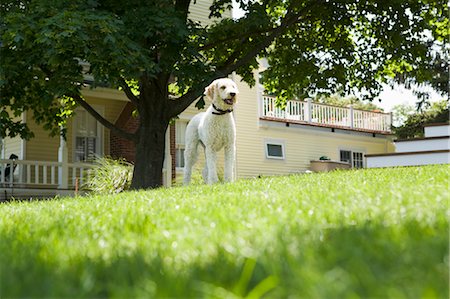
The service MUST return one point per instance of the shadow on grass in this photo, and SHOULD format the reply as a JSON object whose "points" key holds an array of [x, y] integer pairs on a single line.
{"points": [[370, 261]]}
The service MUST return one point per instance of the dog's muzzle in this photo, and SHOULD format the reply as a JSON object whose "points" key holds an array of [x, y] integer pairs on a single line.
{"points": [[230, 101]]}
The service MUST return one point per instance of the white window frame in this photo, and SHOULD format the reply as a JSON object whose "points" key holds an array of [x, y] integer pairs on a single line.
{"points": [[181, 144], [352, 152], [279, 142], [98, 143]]}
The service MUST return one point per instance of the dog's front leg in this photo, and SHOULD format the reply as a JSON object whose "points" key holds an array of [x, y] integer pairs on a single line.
{"points": [[230, 153], [211, 160]]}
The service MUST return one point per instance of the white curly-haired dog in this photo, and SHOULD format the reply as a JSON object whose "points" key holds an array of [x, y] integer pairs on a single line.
{"points": [[214, 129]]}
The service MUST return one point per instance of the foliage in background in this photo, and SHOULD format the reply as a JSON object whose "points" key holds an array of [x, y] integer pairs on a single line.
{"points": [[413, 121], [110, 176], [376, 233], [400, 114], [337, 100]]}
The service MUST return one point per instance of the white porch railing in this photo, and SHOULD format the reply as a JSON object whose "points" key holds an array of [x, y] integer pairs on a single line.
{"points": [[25, 173], [321, 114]]}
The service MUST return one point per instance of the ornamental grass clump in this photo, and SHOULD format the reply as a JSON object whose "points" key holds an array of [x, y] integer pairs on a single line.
{"points": [[111, 176]]}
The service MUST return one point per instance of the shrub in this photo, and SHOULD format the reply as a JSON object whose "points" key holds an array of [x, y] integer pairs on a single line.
{"points": [[110, 177]]}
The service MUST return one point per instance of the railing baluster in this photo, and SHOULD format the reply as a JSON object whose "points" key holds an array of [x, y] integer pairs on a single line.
{"points": [[36, 174], [44, 173], [53, 172], [28, 174]]}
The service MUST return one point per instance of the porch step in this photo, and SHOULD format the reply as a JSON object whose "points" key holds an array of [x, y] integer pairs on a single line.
{"points": [[434, 143], [434, 148], [409, 158], [435, 130]]}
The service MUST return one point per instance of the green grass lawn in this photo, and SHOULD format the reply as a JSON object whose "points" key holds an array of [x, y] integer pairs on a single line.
{"points": [[351, 234]]}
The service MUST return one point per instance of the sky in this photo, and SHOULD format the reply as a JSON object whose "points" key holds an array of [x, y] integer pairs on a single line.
{"points": [[389, 97], [400, 96]]}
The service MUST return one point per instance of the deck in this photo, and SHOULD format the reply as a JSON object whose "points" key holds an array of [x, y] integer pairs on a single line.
{"points": [[315, 114]]}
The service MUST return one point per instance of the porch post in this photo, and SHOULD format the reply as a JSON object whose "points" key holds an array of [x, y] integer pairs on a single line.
{"points": [[168, 160], [308, 111], [352, 119], [2, 149], [63, 168]]}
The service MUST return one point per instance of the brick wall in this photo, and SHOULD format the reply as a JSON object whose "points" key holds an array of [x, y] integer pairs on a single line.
{"points": [[124, 148], [121, 147]]}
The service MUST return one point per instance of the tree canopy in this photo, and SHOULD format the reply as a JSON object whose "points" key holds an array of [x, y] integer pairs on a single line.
{"points": [[143, 47]]}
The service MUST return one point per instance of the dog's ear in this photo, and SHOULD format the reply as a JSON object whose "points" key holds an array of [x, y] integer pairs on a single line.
{"points": [[209, 91]]}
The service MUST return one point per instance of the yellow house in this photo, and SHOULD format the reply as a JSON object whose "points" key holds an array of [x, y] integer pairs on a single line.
{"points": [[270, 141]]}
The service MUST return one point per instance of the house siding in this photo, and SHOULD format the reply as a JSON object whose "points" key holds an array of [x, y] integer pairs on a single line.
{"points": [[12, 146], [199, 11], [301, 143], [42, 147], [301, 146]]}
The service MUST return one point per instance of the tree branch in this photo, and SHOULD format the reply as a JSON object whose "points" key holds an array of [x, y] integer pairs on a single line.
{"points": [[229, 67], [185, 100], [128, 92], [233, 37], [104, 121]]}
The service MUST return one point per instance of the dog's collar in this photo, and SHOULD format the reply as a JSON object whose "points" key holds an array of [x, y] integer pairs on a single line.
{"points": [[220, 111]]}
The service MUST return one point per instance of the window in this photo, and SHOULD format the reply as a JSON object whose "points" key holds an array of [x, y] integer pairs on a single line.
{"points": [[180, 130], [356, 159], [274, 149], [346, 156], [87, 137]]}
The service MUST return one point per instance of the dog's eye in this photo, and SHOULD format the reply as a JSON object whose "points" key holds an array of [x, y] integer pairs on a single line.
{"points": [[222, 87]]}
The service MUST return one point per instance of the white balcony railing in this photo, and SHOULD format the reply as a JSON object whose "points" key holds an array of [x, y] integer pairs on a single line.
{"points": [[25, 173], [326, 115]]}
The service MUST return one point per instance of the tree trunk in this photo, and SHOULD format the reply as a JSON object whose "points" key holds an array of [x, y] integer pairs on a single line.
{"points": [[150, 145], [149, 160]]}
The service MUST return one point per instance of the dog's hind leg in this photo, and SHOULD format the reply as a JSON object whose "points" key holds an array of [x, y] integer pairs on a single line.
{"points": [[205, 173]]}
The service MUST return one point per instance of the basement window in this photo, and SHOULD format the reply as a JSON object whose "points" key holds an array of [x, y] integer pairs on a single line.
{"points": [[274, 150]]}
